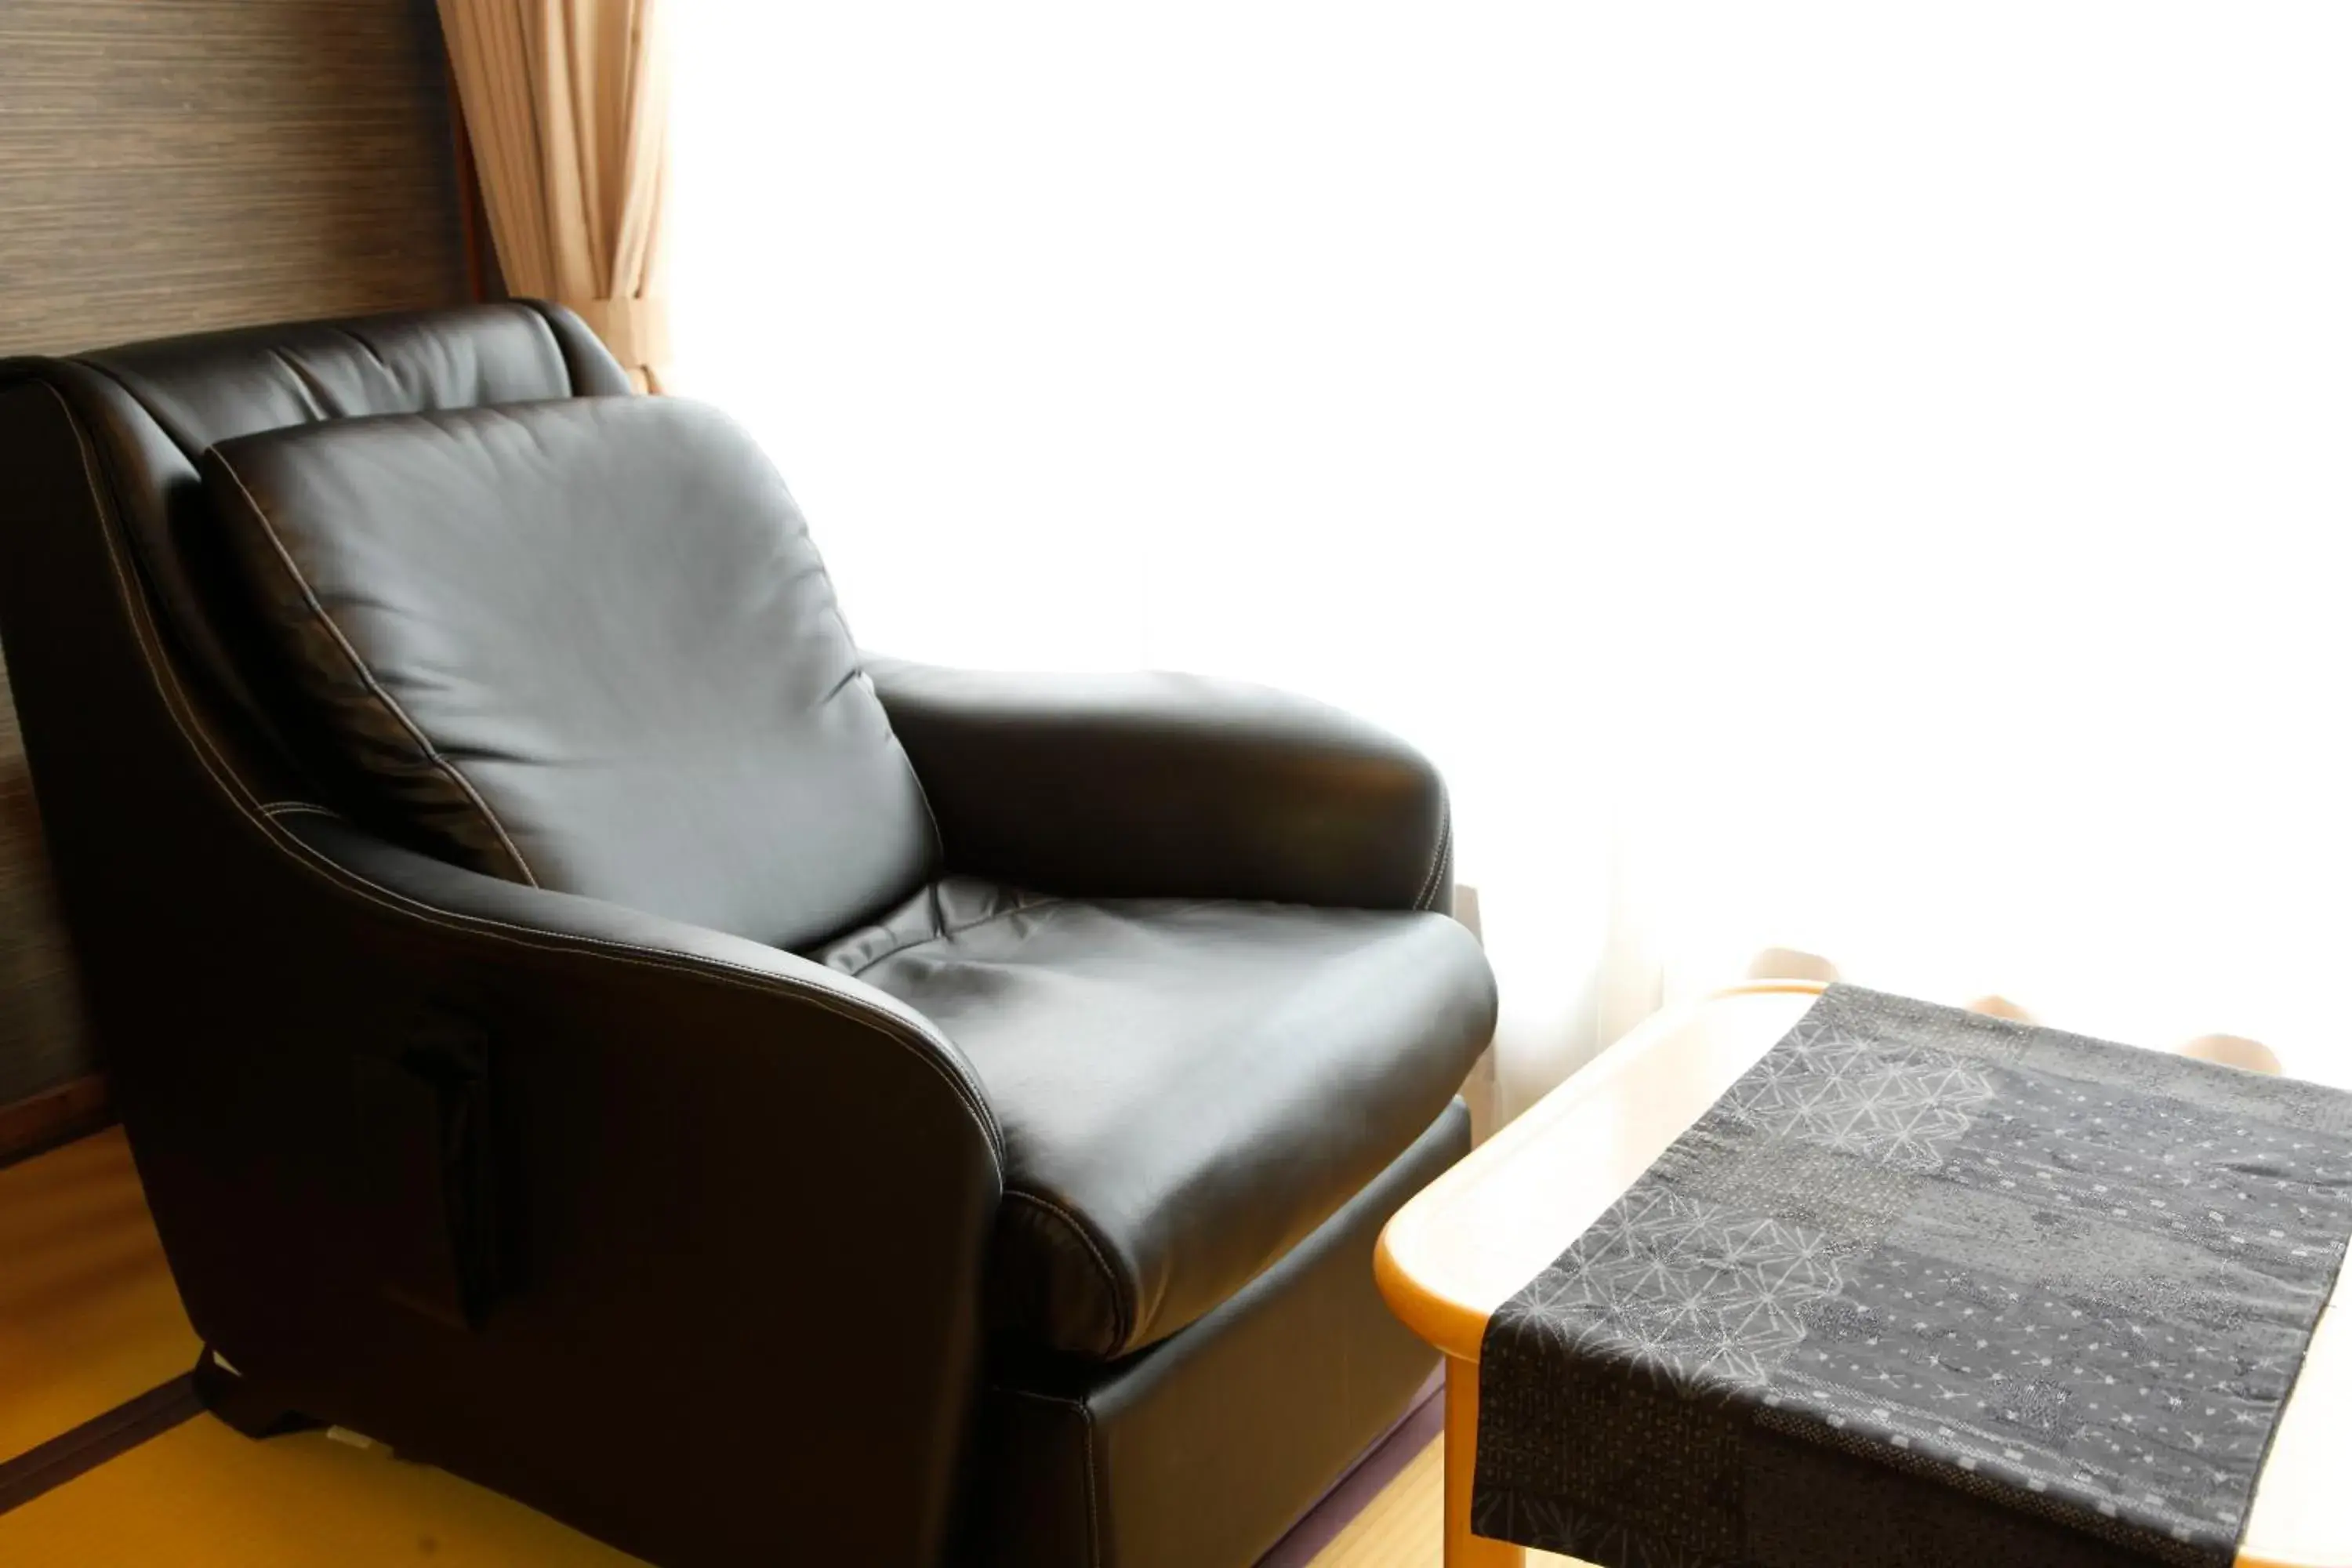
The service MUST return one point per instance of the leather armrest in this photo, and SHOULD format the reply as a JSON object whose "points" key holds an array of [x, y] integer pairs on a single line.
{"points": [[1156, 784], [727, 1181], [504, 915]]}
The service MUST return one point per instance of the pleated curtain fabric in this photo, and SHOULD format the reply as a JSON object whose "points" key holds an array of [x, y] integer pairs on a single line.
{"points": [[567, 104]]}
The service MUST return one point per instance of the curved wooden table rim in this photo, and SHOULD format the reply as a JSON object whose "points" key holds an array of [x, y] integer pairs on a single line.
{"points": [[1480, 1232]]}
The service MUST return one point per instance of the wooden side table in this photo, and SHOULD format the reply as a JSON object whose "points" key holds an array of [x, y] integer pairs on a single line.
{"points": [[1480, 1232]]}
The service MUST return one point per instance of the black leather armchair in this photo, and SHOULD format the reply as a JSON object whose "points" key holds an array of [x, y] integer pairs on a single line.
{"points": [[997, 1182]]}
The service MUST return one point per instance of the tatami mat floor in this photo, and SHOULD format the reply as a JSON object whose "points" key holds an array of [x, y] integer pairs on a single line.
{"points": [[1403, 1526], [89, 1319], [88, 1315], [200, 1496]]}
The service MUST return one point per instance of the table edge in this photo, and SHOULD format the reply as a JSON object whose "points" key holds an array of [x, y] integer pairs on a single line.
{"points": [[1458, 1330]]}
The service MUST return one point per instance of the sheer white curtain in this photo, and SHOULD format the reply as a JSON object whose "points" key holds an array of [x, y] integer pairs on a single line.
{"points": [[1867, 479]]}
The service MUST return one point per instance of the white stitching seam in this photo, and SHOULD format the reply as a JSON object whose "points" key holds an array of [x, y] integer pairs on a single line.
{"points": [[1436, 855], [923, 1046], [1094, 1507], [360, 667], [1118, 1313], [278, 808]]}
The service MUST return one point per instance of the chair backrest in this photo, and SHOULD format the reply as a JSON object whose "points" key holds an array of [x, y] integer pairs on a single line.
{"points": [[766, 797], [585, 643], [151, 409]]}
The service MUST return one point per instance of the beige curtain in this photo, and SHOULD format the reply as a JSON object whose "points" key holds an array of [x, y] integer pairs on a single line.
{"points": [[567, 103]]}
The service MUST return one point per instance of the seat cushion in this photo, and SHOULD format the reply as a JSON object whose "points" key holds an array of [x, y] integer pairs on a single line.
{"points": [[1187, 1088], [585, 643]]}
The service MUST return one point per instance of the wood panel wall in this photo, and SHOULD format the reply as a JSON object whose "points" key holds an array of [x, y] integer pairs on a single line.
{"points": [[173, 165]]}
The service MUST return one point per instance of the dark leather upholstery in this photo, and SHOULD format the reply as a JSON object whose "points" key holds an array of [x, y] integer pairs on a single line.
{"points": [[1257, 1406], [1166, 1072], [1170, 785], [586, 644], [677, 1116], [150, 410], [680, 1236], [214, 386]]}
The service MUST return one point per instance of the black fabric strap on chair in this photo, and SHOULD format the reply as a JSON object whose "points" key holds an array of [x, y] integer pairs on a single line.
{"points": [[424, 1171]]}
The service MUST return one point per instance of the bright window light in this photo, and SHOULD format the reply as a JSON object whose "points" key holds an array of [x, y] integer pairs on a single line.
{"points": [[1869, 479]]}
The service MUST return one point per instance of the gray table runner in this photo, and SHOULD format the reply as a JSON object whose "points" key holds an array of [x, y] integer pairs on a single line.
{"points": [[1927, 1288]]}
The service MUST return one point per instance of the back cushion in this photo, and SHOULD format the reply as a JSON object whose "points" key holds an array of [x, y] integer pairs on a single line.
{"points": [[587, 645]]}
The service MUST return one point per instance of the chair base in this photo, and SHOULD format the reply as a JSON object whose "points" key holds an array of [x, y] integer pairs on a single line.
{"points": [[244, 1405]]}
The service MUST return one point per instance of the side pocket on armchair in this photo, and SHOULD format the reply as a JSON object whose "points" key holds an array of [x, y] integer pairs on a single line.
{"points": [[422, 1164]]}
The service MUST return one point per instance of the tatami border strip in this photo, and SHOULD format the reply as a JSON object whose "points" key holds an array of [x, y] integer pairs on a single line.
{"points": [[95, 1441]]}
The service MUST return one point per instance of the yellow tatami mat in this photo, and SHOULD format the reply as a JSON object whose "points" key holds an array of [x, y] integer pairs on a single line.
{"points": [[89, 1319], [200, 1496], [88, 1315], [1404, 1526], [1400, 1528]]}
